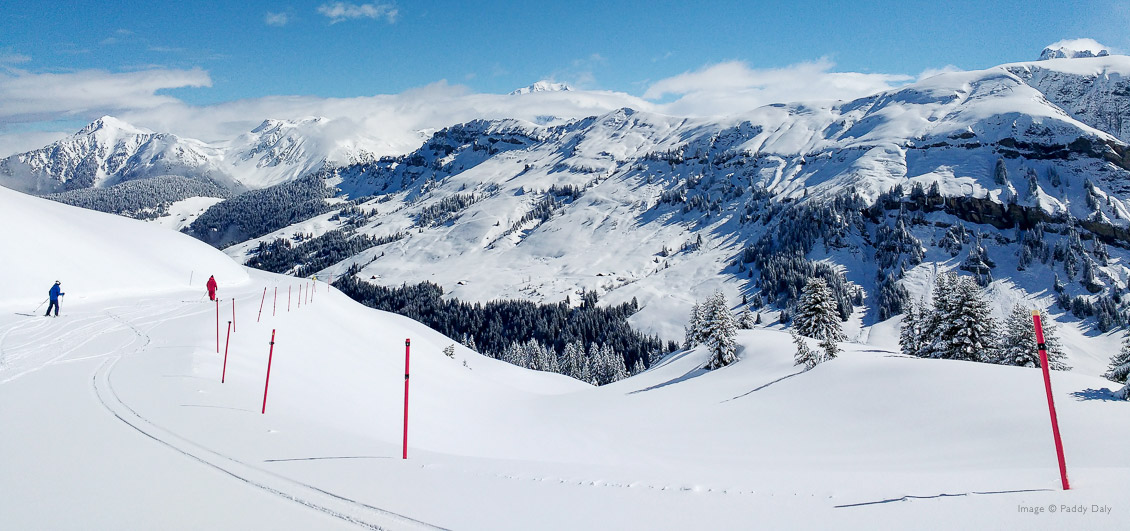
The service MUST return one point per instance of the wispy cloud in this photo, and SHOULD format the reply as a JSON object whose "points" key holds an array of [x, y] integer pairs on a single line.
{"points": [[118, 36], [8, 57], [276, 19], [340, 11], [32, 97], [931, 72], [734, 86], [580, 72]]}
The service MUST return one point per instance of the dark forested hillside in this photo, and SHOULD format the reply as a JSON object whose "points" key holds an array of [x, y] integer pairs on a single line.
{"points": [[142, 198]]}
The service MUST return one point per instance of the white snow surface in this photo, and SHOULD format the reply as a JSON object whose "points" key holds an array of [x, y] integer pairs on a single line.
{"points": [[96, 256], [114, 417]]}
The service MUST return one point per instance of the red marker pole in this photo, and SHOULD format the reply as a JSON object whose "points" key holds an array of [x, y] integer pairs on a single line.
{"points": [[227, 342], [407, 346], [266, 385], [217, 325], [1051, 402], [264, 299]]}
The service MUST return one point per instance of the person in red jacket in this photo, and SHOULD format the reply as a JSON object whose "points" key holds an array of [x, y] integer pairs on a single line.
{"points": [[212, 288]]}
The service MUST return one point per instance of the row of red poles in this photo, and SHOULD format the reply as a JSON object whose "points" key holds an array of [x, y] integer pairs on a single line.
{"points": [[305, 292], [1040, 345]]}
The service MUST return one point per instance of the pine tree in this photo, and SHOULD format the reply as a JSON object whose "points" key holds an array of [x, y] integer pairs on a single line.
{"points": [[1119, 369], [745, 320], [1018, 344], [817, 316], [962, 327], [694, 328], [804, 355], [719, 330], [911, 335]]}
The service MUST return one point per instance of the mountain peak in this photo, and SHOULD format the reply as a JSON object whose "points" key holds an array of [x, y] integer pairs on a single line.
{"points": [[1073, 49], [109, 123], [542, 86], [276, 123]]}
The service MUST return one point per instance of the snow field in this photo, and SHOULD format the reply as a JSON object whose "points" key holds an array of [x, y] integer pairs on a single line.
{"points": [[120, 420]]}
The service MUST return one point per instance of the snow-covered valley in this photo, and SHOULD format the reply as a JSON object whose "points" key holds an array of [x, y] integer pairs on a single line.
{"points": [[116, 417]]}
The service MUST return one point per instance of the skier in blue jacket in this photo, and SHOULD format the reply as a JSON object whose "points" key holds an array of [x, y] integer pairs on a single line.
{"points": [[54, 294]]}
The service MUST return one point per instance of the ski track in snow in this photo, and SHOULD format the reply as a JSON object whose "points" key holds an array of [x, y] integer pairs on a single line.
{"points": [[346, 509]]}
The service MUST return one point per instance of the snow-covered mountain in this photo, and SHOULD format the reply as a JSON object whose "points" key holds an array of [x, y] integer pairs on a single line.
{"points": [[541, 86], [107, 152], [278, 151], [665, 209]]}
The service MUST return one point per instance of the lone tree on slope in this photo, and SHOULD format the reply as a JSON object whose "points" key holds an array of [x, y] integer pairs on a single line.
{"points": [[817, 317], [713, 325]]}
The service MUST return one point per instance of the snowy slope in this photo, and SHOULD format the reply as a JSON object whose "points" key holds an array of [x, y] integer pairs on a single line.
{"points": [[96, 255], [122, 422]]}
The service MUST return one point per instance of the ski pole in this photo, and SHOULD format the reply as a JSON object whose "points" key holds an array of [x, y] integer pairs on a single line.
{"points": [[40, 305]]}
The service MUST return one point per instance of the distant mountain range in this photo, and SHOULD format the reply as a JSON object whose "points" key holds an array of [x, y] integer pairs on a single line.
{"points": [[1024, 166]]}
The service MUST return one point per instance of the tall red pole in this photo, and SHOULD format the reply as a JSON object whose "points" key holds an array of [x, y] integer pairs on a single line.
{"points": [[264, 299], [217, 325], [227, 342], [1051, 402], [269, 358], [407, 346]]}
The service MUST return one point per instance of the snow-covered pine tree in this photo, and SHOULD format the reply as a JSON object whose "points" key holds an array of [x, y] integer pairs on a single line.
{"points": [[719, 330], [469, 342], [910, 336], [595, 364], [745, 319], [694, 327], [637, 367], [817, 316], [570, 361], [1018, 342], [965, 329], [1119, 370], [804, 355], [617, 370]]}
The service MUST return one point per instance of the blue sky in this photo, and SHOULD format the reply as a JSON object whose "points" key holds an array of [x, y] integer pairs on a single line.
{"points": [[208, 53]]}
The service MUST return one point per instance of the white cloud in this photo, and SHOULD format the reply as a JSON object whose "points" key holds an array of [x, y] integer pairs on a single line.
{"points": [[392, 122], [29, 97], [276, 19], [339, 11], [13, 143], [730, 87], [931, 72], [10, 58]]}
